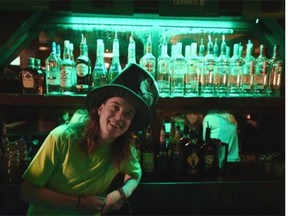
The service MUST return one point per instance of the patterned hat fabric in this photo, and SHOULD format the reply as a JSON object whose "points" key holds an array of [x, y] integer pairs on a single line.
{"points": [[134, 84]]}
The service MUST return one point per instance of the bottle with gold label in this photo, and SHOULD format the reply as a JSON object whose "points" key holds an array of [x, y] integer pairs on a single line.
{"points": [[191, 153], [83, 69], [209, 155]]}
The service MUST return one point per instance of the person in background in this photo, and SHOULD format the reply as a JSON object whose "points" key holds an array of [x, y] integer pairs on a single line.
{"points": [[73, 169], [224, 127]]}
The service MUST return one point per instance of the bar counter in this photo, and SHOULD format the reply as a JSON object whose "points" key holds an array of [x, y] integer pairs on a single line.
{"points": [[228, 196]]}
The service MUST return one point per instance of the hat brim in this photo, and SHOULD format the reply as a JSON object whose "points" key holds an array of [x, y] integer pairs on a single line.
{"points": [[97, 96]]}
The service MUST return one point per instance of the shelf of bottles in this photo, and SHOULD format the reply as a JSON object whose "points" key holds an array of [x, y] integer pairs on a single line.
{"points": [[186, 61]]}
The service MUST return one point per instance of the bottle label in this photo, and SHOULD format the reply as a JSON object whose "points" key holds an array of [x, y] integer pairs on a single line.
{"points": [[27, 79], [148, 161], [66, 76], [82, 69], [193, 162], [53, 76]]}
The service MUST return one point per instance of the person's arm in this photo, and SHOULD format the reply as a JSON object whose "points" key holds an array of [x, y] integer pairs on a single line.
{"points": [[48, 198], [116, 198], [130, 184]]}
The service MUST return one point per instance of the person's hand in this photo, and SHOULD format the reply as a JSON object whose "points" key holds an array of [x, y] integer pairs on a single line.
{"points": [[91, 204], [114, 201]]}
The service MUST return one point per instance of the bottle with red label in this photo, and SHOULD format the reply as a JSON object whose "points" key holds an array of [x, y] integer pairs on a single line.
{"points": [[30, 77]]}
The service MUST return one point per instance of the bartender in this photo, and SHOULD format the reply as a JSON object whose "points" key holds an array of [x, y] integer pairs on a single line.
{"points": [[224, 127]]}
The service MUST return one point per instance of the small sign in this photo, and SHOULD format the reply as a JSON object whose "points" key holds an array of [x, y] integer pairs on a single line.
{"points": [[24, 5], [123, 7], [259, 9], [192, 8]]}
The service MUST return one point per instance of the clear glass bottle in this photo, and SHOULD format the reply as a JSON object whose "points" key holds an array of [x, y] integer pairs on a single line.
{"points": [[200, 66], [276, 70], [235, 72], [216, 49], [58, 52], [222, 70], [99, 76], [148, 61], [209, 69], [131, 51], [163, 70], [192, 77], [115, 67], [83, 69], [67, 71], [52, 70], [248, 71], [74, 74], [260, 78], [179, 72]]}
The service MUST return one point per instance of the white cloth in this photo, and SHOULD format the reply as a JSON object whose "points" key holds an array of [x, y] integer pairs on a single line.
{"points": [[224, 127]]}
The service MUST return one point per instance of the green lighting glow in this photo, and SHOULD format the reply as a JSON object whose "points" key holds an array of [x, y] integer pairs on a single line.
{"points": [[223, 25]]}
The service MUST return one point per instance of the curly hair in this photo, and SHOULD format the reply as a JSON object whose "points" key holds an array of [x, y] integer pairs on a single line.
{"points": [[88, 137]]}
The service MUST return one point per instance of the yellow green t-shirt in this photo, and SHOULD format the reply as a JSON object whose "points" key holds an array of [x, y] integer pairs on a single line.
{"points": [[61, 166]]}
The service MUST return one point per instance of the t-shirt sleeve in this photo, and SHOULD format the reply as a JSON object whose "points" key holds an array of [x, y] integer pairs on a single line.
{"points": [[45, 160], [133, 167]]}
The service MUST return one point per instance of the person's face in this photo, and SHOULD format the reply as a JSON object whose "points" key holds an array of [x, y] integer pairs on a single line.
{"points": [[115, 117]]}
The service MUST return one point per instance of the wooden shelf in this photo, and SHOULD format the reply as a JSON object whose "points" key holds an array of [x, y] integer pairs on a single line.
{"points": [[223, 103], [168, 103], [77, 101]]}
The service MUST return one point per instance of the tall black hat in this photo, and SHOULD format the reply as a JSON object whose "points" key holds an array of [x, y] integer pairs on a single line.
{"points": [[136, 85]]}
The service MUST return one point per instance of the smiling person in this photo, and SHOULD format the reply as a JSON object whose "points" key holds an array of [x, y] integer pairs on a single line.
{"points": [[75, 166]]}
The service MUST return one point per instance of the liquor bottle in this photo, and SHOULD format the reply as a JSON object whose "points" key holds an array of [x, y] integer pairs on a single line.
{"points": [[200, 67], [30, 77], [4, 141], [148, 163], [216, 49], [39, 77], [222, 71], [52, 70], [67, 71], [115, 67], [248, 71], [148, 61], [58, 52], [99, 76], [163, 70], [83, 69], [179, 72], [176, 154], [209, 69], [276, 70], [235, 72], [191, 152], [192, 77], [209, 156], [74, 74], [260, 78], [162, 158], [131, 51], [171, 141]]}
